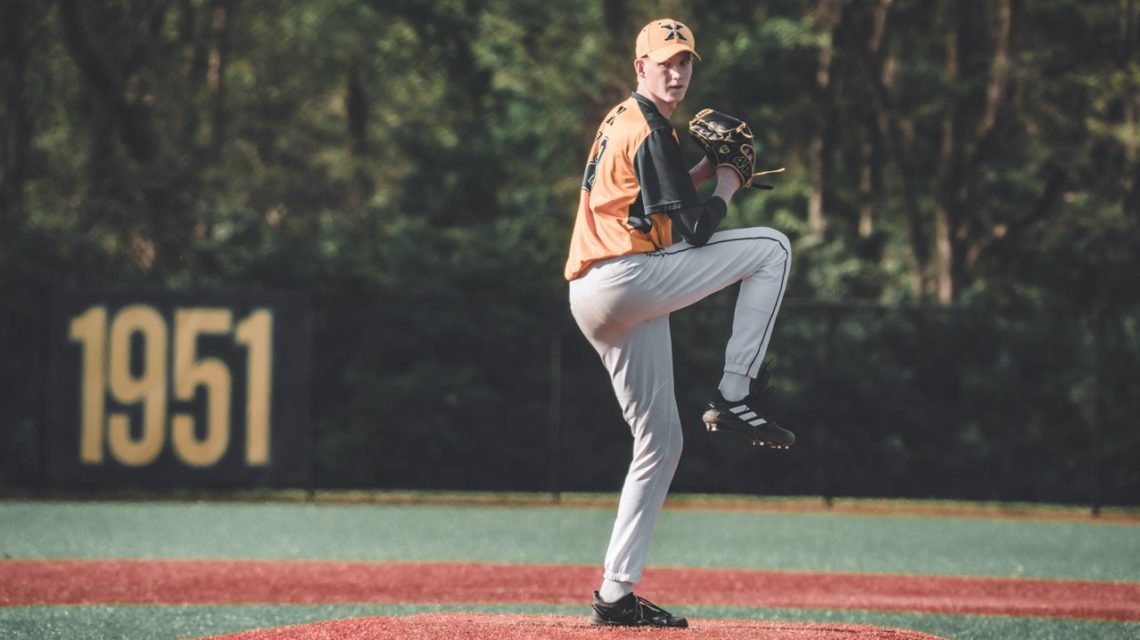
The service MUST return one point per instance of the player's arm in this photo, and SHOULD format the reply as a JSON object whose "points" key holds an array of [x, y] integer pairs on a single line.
{"points": [[728, 181], [696, 224], [668, 187], [702, 172]]}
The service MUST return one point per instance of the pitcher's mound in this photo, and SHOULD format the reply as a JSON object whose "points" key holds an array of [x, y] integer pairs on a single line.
{"points": [[475, 626]]}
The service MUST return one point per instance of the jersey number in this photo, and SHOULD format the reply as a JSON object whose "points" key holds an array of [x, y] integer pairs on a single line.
{"points": [[592, 166]]}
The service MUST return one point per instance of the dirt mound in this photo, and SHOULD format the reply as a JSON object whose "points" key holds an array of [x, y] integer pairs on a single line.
{"points": [[464, 626]]}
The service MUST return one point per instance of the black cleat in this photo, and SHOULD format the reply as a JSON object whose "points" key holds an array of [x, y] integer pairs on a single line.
{"points": [[632, 611], [743, 417]]}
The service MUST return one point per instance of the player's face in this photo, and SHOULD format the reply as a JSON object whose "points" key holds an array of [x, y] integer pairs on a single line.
{"points": [[667, 81]]}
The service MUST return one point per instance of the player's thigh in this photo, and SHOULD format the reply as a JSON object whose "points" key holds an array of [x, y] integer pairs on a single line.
{"points": [[684, 274], [640, 364]]}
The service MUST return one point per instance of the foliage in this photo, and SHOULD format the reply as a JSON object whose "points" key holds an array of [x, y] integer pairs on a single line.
{"points": [[418, 164], [185, 143]]}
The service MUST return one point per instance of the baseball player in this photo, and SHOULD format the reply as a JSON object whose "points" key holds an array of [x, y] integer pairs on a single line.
{"points": [[627, 274]]}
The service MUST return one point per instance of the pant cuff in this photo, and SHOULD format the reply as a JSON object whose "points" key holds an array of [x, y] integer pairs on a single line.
{"points": [[738, 369], [621, 577]]}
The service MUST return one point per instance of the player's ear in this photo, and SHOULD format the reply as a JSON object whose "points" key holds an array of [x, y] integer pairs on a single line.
{"points": [[639, 67]]}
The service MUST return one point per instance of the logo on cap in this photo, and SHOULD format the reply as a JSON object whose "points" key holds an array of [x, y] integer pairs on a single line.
{"points": [[675, 31]]}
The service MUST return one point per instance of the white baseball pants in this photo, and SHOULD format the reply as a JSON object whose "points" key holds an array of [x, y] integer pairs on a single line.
{"points": [[622, 306]]}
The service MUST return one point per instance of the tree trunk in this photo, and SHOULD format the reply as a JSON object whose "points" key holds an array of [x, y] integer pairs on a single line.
{"points": [[357, 107], [216, 74], [877, 64], [822, 144], [868, 157], [15, 145], [964, 152], [616, 14], [104, 89], [870, 150], [949, 167], [1130, 179]]}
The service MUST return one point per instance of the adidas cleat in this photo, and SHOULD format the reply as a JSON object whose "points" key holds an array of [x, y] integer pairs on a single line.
{"points": [[743, 418], [632, 611]]}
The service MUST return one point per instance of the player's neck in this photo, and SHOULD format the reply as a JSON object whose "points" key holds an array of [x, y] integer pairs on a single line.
{"points": [[664, 107]]}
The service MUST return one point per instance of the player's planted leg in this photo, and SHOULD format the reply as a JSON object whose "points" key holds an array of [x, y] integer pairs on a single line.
{"points": [[745, 417]]}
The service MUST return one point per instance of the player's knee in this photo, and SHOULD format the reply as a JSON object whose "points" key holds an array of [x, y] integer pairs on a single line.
{"points": [[781, 239], [662, 449], [767, 246]]}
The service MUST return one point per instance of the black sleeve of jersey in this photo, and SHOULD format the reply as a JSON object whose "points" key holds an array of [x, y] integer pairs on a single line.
{"points": [[666, 187], [662, 175]]}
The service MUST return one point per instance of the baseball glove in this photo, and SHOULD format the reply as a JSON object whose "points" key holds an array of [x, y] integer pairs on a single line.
{"points": [[727, 142]]}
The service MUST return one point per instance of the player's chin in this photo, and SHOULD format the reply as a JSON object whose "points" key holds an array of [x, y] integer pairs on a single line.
{"points": [[677, 93]]}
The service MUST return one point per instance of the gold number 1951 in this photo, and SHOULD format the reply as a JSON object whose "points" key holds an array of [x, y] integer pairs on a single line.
{"points": [[108, 368]]}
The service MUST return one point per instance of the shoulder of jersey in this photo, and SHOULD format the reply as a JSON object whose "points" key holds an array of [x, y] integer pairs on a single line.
{"points": [[623, 116]]}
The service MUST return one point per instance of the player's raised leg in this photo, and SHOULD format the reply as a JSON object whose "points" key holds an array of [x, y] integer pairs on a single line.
{"points": [[760, 260]]}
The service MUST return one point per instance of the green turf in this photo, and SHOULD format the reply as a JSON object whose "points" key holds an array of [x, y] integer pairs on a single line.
{"points": [[559, 535], [547, 535], [182, 621]]}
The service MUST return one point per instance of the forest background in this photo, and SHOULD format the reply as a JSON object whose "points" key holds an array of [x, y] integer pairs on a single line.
{"points": [[963, 194]]}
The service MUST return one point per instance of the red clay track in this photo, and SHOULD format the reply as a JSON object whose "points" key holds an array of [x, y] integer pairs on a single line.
{"points": [[455, 626], [62, 582]]}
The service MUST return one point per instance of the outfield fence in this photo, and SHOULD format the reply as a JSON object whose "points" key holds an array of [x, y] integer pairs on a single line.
{"points": [[974, 403]]}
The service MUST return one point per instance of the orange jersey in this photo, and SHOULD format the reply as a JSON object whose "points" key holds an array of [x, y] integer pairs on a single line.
{"points": [[634, 179]]}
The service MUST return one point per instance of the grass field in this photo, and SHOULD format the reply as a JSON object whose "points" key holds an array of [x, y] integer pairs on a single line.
{"points": [[911, 540]]}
